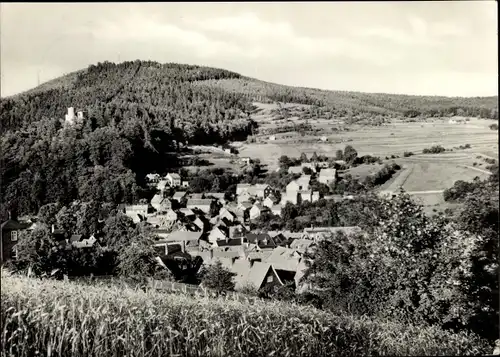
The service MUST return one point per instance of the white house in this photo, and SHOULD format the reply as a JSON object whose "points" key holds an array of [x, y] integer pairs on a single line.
{"points": [[244, 197], [268, 202], [315, 196], [256, 211], [225, 213], [327, 176], [179, 195], [245, 160], [173, 179], [153, 178], [323, 138], [295, 170], [216, 234], [160, 203], [185, 183], [272, 137]]}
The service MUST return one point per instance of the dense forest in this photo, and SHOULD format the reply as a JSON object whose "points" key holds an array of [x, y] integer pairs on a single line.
{"points": [[137, 116], [352, 104]]}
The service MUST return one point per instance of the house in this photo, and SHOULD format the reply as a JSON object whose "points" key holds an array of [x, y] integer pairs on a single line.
{"points": [[302, 245], [315, 196], [162, 185], [295, 170], [257, 210], [237, 231], [173, 179], [219, 196], [262, 240], [153, 178], [229, 244], [322, 164], [196, 196], [200, 204], [184, 238], [138, 213], [272, 137], [292, 187], [259, 190], [285, 261], [199, 223], [327, 176], [224, 213], [84, 243], [305, 196], [276, 210], [269, 202], [245, 160], [161, 204], [340, 162], [243, 206], [245, 196], [187, 212], [323, 138], [304, 182], [258, 276], [310, 165], [10, 231], [185, 183], [217, 233], [179, 195]]}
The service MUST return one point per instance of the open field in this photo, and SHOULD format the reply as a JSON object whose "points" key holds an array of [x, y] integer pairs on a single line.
{"points": [[70, 319], [382, 141]]}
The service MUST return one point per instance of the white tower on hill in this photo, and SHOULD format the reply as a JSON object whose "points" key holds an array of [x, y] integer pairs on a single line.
{"points": [[70, 117]]}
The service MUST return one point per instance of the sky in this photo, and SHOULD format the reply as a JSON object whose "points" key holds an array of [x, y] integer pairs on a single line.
{"points": [[423, 48]]}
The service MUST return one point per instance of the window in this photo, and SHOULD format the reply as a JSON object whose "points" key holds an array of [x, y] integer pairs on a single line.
{"points": [[13, 253], [13, 236], [270, 279]]}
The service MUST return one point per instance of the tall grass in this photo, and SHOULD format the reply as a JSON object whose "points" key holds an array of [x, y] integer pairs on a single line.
{"points": [[55, 318]]}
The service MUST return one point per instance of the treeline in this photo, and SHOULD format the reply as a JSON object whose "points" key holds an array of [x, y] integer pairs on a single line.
{"points": [[355, 105]]}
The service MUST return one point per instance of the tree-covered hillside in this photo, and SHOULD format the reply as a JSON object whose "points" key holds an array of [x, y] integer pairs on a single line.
{"points": [[347, 104]]}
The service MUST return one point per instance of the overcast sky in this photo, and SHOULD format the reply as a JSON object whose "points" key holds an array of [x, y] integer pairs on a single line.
{"points": [[435, 48]]}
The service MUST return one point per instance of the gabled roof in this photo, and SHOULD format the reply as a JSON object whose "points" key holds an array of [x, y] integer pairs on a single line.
{"points": [[174, 176], [256, 237], [179, 194], [284, 259], [218, 195], [184, 236], [186, 211], [199, 202], [301, 244], [136, 207], [258, 273]]}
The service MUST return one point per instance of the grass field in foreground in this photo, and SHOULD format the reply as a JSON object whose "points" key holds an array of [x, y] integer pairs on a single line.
{"points": [[56, 318]]}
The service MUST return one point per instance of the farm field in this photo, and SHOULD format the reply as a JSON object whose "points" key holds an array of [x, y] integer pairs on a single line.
{"points": [[125, 321], [382, 141]]}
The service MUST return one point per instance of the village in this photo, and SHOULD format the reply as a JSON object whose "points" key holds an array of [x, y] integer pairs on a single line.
{"points": [[214, 226]]}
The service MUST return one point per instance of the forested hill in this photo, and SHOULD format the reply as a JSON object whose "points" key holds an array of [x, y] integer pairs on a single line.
{"points": [[135, 115]]}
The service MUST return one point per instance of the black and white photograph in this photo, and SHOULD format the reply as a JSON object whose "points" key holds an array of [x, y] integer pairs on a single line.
{"points": [[244, 179]]}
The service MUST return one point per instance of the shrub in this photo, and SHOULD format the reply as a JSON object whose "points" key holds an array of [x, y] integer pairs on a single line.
{"points": [[69, 319], [494, 126], [218, 278], [407, 154]]}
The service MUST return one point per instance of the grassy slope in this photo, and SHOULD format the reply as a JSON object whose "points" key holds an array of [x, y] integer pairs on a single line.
{"points": [[76, 320]]}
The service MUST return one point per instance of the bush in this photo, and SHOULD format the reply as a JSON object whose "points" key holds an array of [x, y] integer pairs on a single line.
{"points": [[408, 153], [437, 149], [494, 126], [218, 278], [120, 322]]}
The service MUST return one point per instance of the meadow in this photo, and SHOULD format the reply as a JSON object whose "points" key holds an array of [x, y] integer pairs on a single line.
{"points": [[57, 318]]}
